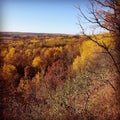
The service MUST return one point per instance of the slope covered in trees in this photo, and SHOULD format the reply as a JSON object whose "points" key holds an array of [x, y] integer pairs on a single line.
{"points": [[57, 77]]}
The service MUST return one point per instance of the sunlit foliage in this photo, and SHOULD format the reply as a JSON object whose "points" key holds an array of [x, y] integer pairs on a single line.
{"points": [[10, 54], [9, 69], [28, 52], [36, 62], [56, 51], [87, 50]]}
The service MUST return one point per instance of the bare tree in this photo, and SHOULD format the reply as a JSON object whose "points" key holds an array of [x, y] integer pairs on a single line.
{"points": [[104, 14]]}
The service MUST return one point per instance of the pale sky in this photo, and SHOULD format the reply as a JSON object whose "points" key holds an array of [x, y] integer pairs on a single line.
{"points": [[41, 16]]}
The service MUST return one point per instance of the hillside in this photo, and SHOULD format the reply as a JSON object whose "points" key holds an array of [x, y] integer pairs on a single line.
{"points": [[56, 76]]}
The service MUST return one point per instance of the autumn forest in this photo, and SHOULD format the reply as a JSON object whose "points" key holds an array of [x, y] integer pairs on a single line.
{"points": [[56, 77], [62, 76]]}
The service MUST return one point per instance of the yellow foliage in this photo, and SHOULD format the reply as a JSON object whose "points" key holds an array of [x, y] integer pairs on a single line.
{"points": [[55, 51], [9, 69], [19, 42], [34, 41], [36, 79], [35, 50], [49, 39], [76, 63], [105, 39], [10, 55], [4, 52], [24, 85], [28, 52], [37, 61], [88, 49], [12, 51]]}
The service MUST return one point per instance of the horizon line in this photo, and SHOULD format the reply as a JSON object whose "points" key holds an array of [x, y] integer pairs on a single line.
{"points": [[29, 32]]}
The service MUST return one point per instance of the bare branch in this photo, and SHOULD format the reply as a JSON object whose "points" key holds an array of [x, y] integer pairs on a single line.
{"points": [[84, 16]]}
